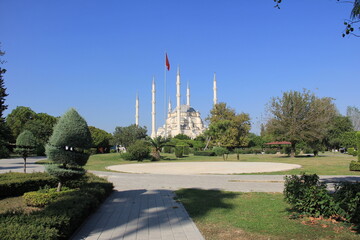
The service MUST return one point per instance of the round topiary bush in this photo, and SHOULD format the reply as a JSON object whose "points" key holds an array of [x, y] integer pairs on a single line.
{"points": [[138, 151], [70, 138], [25, 145]]}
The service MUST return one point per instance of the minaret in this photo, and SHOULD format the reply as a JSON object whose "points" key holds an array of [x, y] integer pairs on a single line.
{"points": [[137, 110], [215, 90], [188, 95], [178, 100], [169, 108], [153, 124]]}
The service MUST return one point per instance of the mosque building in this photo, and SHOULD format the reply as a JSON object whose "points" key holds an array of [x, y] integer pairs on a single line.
{"points": [[183, 119]]}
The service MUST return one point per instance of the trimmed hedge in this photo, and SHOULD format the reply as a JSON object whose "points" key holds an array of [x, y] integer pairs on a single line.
{"points": [[204, 153], [354, 166], [16, 184], [43, 197], [60, 218]]}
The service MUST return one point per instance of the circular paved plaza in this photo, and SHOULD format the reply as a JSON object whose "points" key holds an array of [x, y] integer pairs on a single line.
{"points": [[195, 168]]}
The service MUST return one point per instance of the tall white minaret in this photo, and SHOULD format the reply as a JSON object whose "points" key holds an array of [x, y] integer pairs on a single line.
{"points": [[169, 108], [137, 110], [178, 100], [215, 90], [188, 95], [153, 123]]}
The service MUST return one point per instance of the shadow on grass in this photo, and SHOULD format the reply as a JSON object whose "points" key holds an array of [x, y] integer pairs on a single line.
{"points": [[199, 202]]}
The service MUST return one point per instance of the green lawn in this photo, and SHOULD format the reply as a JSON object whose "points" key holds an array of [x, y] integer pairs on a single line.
{"points": [[230, 215], [325, 164]]}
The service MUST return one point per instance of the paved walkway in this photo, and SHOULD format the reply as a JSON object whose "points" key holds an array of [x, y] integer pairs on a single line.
{"points": [[17, 165]]}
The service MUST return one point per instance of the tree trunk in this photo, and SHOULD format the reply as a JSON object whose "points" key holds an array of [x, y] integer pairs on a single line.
{"points": [[25, 165], [237, 156], [59, 187], [293, 149]]}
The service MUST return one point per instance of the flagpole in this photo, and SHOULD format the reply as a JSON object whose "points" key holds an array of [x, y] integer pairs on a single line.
{"points": [[165, 97]]}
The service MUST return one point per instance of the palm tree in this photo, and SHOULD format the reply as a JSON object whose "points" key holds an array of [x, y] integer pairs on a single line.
{"points": [[157, 144]]}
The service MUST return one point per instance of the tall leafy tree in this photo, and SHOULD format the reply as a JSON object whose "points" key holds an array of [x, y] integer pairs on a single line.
{"points": [[227, 128], [25, 145], [18, 118], [337, 126], [66, 147], [300, 116], [4, 130], [354, 114], [126, 136], [101, 138]]}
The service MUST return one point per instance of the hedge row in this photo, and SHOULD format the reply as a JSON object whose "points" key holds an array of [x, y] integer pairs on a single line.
{"points": [[308, 196], [60, 218], [354, 166], [204, 153], [16, 184]]}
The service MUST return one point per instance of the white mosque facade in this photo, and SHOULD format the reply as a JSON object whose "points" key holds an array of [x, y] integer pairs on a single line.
{"points": [[183, 119]]}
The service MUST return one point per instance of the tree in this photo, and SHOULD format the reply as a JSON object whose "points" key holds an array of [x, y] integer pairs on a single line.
{"points": [[5, 134], [157, 144], [348, 139], [18, 118], [255, 140], [354, 114], [300, 116], [349, 24], [126, 136], [66, 147], [227, 128], [101, 139], [25, 145], [337, 126]]}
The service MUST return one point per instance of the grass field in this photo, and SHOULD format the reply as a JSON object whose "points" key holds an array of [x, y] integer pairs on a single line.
{"points": [[325, 164], [228, 215]]}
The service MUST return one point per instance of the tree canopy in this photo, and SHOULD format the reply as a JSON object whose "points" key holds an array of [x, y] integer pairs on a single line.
{"points": [[127, 136], [227, 128], [300, 116], [17, 119], [25, 145], [100, 138]]}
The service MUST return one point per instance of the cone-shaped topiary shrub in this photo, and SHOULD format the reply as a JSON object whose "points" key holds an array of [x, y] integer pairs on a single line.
{"points": [[71, 136], [25, 145]]}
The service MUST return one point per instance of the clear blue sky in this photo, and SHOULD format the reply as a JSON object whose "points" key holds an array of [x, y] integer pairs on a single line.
{"points": [[96, 55]]}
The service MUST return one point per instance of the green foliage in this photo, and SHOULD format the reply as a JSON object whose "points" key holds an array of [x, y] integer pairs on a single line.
{"points": [[4, 151], [300, 117], [60, 218], [348, 139], [18, 118], [100, 138], [44, 197], [352, 151], [127, 136], [220, 151], [137, 151], [16, 184], [338, 125], [167, 149], [25, 145], [227, 128], [354, 166], [157, 144], [256, 141], [270, 151], [347, 195], [66, 147], [204, 153], [309, 196], [182, 137], [179, 150]]}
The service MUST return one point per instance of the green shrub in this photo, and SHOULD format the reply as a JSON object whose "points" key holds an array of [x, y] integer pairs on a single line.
{"points": [[220, 151], [347, 195], [137, 151], [60, 218], [167, 149], [179, 150], [309, 196], [91, 151], [43, 197], [354, 166], [204, 153], [112, 151], [16, 184], [352, 151], [270, 151], [4, 151]]}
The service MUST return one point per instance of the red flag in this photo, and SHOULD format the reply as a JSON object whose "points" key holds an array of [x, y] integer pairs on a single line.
{"points": [[167, 63]]}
